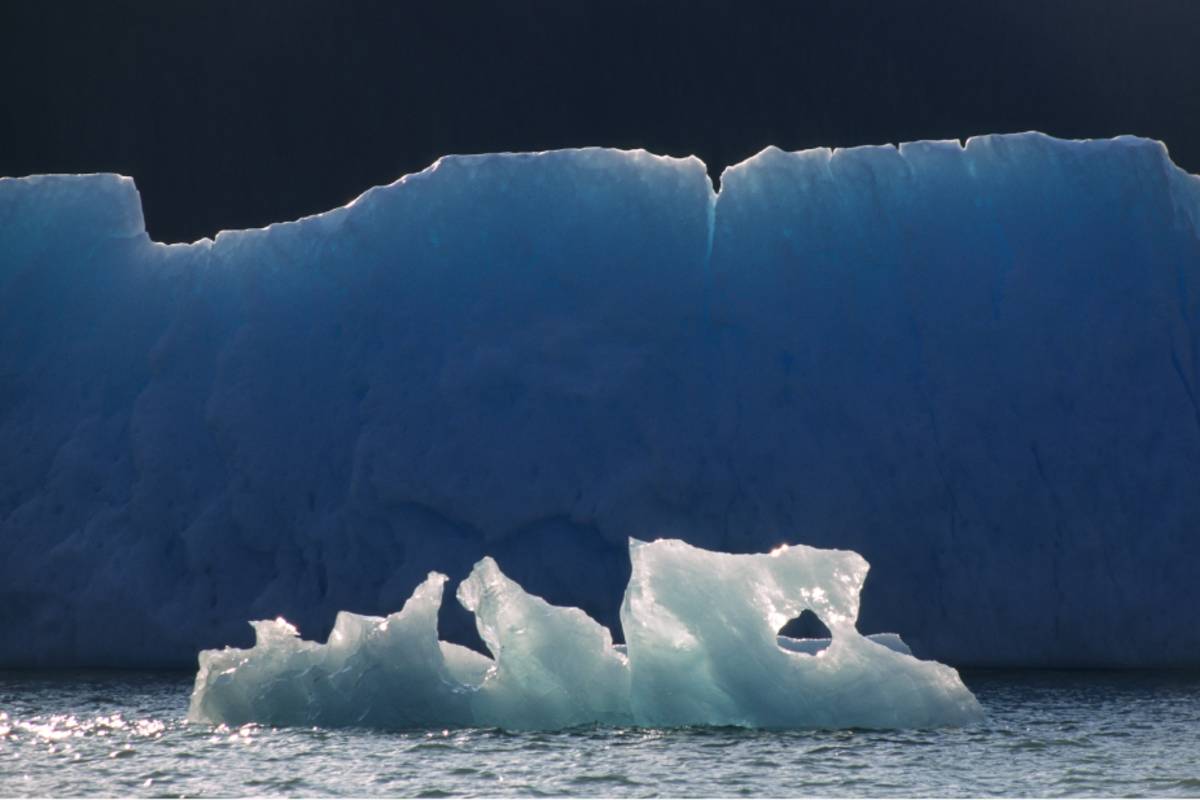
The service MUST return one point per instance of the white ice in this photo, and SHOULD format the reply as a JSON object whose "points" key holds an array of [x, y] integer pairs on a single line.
{"points": [[554, 667], [383, 672], [701, 633], [702, 649]]}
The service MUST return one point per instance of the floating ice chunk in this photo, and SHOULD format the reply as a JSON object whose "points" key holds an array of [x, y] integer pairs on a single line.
{"points": [[389, 672], [701, 631], [702, 649], [555, 667]]}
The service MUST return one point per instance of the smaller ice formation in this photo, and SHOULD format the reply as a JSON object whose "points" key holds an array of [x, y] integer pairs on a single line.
{"points": [[554, 667], [702, 648], [701, 632], [387, 672]]}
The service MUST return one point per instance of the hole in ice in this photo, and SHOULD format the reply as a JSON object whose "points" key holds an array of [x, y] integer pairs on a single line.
{"points": [[805, 634], [806, 626]]}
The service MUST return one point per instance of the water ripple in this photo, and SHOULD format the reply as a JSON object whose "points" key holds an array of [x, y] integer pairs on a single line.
{"points": [[1047, 734]]}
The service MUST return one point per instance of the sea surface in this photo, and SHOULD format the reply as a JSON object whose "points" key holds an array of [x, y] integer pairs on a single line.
{"points": [[1046, 734]]}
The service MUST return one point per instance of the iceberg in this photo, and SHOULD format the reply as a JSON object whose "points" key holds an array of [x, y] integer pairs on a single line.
{"points": [[977, 364], [702, 650]]}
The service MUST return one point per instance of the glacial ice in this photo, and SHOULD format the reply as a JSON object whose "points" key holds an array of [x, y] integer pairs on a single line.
{"points": [[701, 636], [380, 672], [702, 650], [555, 667], [978, 365]]}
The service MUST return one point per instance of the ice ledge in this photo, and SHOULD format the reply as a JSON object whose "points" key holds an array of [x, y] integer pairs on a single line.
{"points": [[109, 204], [101, 204]]}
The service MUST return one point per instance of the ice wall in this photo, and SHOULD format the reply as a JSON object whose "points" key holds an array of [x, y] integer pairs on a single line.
{"points": [[976, 366]]}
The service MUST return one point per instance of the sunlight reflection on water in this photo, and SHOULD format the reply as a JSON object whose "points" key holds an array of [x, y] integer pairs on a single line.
{"points": [[1045, 734]]}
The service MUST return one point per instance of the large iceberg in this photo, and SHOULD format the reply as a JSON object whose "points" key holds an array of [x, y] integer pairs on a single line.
{"points": [[704, 649], [977, 365]]}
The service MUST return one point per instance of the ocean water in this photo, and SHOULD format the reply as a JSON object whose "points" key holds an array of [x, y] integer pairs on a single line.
{"points": [[1046, 734]]}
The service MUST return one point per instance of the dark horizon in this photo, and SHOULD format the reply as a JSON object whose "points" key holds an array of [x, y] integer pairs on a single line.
{"points": [[233, 115]]}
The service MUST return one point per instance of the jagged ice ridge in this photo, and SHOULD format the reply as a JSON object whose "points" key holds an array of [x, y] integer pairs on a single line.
{"points": [[976, 365]]}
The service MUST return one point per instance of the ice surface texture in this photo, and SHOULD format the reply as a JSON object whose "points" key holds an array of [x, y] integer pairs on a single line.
{"points": [[702, 650], [977, 366]]}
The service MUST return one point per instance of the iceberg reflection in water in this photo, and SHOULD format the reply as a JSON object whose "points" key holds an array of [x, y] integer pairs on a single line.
{"points": [[702, 648]]}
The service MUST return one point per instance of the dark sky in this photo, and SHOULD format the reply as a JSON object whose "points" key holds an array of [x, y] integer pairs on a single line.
{"points": [[236, 113]]}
